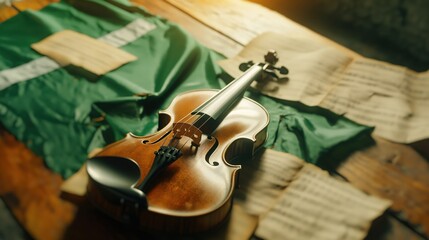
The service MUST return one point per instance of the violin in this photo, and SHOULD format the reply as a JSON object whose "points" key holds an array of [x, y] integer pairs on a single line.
{"points": [[180, 180]]}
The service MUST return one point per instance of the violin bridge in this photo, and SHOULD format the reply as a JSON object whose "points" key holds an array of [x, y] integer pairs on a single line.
{"points": [[188, 130]]}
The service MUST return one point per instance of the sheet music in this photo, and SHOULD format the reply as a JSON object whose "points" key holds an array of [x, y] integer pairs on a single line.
{"points": [[391, 98], [69, 47], [317, 206], [263, 179]]}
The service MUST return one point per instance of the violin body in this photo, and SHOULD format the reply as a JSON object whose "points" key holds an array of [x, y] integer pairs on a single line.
{"points": [[193, 193]]}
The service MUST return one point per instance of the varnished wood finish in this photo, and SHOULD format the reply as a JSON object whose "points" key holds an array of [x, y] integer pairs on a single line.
{"points": [[194, 193], [32, 192]]}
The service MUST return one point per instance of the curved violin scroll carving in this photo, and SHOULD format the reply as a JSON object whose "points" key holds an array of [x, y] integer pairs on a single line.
{"points": [[271, 72]]}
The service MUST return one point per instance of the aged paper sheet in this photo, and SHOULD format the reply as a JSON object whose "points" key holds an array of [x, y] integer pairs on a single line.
{"points": [[317, 206], [72, 48], [297, 200], [391, 98], [264, 178]]}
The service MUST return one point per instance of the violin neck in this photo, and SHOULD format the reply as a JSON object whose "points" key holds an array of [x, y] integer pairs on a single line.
{"points": [[214, 110]]}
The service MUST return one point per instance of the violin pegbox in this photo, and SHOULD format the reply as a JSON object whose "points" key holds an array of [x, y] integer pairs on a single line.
{"points": [[272, 76]]}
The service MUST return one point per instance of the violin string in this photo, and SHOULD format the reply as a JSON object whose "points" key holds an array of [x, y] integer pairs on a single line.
{"points": [[180, 149], [208, 118], [172, 129], [200, 116], [199, 129], [201, 113], [188, 116]]}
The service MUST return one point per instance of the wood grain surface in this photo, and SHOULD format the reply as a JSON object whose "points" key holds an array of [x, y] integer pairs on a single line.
{"points": [[32, 192], [395, 172]]}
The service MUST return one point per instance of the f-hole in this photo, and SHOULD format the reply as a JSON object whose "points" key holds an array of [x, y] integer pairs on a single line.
{"points": [[211, 151]]}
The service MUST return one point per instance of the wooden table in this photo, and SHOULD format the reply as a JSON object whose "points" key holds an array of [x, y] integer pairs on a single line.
{"points": [[397, 172]]}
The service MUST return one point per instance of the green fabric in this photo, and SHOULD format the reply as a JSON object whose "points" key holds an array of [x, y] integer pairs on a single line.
{"points": [[61, 115], [310, 132], [54, 114]]}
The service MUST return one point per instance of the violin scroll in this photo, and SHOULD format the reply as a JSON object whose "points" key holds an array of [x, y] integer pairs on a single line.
{"points": [[272, 75]]}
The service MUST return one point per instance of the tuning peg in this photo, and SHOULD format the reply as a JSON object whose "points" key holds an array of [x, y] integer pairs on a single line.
{"points": [[244, 66], [271, 57], [283, 70], [270, 72]]}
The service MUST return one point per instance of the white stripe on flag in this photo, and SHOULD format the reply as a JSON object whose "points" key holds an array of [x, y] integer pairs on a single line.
{"points": [[43, 65]]}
